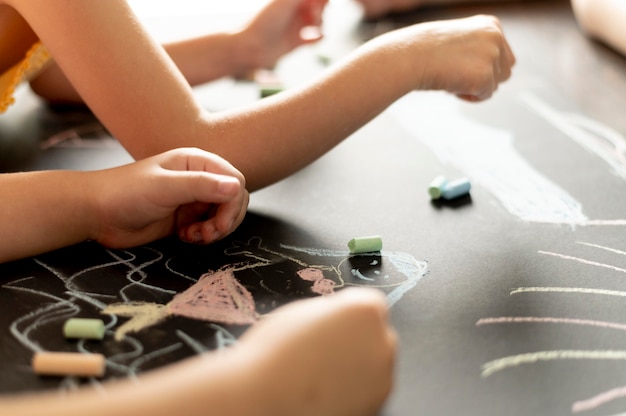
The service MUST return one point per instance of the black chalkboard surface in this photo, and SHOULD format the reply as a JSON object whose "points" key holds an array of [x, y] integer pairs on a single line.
{"points": [[509, 301]]}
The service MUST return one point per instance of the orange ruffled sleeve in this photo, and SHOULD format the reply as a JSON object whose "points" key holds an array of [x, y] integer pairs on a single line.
{"points": [[35, 61]]}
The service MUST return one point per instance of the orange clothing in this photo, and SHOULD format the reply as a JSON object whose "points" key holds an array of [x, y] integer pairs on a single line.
{"points": [[34, 62]]}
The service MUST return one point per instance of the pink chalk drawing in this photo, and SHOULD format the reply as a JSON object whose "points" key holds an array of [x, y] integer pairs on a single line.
{"points": [[192, 301], [220, 297], [321, 285], [215, 297]]}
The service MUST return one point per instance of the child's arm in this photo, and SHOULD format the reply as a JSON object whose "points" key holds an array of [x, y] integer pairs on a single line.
{"points": [[121, 207], [135, 89], [323, 356], [603, 20]]}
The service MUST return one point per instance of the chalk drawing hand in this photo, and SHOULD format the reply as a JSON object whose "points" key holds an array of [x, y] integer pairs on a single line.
{"points": [[195, 193], [341, 342], [467, 57]]}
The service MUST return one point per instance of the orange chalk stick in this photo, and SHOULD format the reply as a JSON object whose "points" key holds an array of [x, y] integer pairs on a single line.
{"points": [[69, 364]]}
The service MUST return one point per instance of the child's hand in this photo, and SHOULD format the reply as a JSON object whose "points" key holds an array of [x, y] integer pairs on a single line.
{"points": [[279, 28], [195, 193], [330, 355], [468, 57]]}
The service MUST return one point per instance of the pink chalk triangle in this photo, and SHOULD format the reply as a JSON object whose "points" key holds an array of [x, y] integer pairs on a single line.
{"points": [[216, 297]]}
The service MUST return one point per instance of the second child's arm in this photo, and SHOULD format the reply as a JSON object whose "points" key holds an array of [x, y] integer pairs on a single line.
{"points": [[188, 191]]}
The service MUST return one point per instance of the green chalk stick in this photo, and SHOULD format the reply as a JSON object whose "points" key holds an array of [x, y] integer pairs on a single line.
{"points": [[365, 244], [324, 58], [436, 186], [267, 91], [84, 328]]}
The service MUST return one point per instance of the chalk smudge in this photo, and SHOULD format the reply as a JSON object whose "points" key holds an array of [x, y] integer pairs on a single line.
{"points": [[585, 290], [598, 400], [534, 319], [500, 364], [612, 250], [606, 143], [141, 314], [487, 155], [589, 262]]}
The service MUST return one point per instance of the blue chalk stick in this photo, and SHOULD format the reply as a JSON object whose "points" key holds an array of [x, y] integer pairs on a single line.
{"points": [[456, 188]]}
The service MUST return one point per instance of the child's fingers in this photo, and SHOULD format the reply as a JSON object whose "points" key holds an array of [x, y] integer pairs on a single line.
{"points": [[227, 217], [193, 159], [218, 221], [180, 188], [209, 193], [214, 228], [508, 56]]}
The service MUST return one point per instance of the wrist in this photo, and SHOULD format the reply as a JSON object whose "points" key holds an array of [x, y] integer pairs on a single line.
{"points": [[393, 58], [87, 205], [248, 52]]}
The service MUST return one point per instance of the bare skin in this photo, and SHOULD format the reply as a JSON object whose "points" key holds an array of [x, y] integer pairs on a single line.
{"points": [[330, 356]]}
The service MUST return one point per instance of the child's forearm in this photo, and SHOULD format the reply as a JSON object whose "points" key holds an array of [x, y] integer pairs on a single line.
{"points": [[211, 57], [44, 211]]}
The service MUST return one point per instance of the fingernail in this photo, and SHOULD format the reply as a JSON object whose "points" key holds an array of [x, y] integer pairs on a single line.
{"points": [[197, 236], [216, 235], [228, 186]]}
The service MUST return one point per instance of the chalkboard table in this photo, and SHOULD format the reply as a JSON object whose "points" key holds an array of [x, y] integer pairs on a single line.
{"points": [[508, 301]]}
